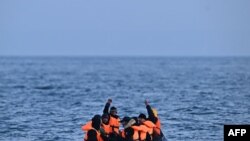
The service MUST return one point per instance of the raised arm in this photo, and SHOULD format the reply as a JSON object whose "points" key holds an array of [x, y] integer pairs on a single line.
{"points": [[151, 115], [107, 105]]}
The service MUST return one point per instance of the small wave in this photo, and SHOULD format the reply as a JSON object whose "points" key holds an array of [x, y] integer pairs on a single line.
{"points": [[195, 87], [66, 131], [44, 87], [19, 86], [87, 90], [202, 113], [77, 104], [205, 93], [180, 109]]}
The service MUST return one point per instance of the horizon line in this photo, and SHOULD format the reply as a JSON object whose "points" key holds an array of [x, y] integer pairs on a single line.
{"points": [[122, 56]]}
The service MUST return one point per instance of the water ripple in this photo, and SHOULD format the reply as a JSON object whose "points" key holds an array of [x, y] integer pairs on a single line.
{"points": [[194, 97]]}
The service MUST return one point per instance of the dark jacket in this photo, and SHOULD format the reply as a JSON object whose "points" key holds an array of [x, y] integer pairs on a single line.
{"points": [[151, 115]]}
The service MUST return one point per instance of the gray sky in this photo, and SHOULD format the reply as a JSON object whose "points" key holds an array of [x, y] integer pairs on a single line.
{"points": [[125, 27]]}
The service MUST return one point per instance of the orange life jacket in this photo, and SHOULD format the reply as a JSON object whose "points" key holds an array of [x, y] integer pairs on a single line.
{"points": [[150, 125], [87, 127], [142, 129], [114, 124], [106, 128], [135, 135], [157, 129]]}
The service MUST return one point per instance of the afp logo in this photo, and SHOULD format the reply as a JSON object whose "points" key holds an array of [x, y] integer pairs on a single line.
{"points": [[236, 132]]}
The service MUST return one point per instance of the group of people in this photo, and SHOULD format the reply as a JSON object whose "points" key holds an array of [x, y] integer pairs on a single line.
{"points": [[106, 127]]}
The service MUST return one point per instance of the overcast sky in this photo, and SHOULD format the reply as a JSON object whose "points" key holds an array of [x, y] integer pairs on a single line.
{"points": [[125, 27]]}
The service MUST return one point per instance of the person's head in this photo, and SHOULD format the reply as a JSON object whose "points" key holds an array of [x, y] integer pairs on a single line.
{"points": [[105, 118], [92, 135], [96, 122], [141, 118], [129, 132], [113, 111], [136, 120], [125, 120]]}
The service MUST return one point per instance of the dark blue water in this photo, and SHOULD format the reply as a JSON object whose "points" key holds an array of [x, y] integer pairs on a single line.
{"points": [[49, 98]]}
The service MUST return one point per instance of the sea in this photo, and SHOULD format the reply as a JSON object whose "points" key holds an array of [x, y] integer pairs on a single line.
{"points": [[50, 98]]}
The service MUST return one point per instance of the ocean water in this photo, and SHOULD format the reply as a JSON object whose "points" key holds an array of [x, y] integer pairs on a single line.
{"points": [[49, 98]]}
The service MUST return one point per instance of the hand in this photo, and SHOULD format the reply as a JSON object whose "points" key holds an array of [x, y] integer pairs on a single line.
{"points": [[146, 102], [109, 101]]}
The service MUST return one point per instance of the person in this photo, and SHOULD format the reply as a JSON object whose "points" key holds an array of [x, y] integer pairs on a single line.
{"points": [[105, 124], [153, 116], [92, 129], [143, 131], [91, 135], [149, 124], [125, 121], [129, 133], [114, 120]]}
